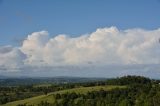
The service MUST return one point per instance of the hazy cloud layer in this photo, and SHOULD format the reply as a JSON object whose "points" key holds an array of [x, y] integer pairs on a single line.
{"points": [[104, 47], [11, 59]]}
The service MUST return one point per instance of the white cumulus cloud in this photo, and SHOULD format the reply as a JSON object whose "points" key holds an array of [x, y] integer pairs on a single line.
{"points": [[105, 46]]}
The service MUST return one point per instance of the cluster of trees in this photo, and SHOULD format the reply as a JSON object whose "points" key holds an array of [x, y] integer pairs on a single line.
{"points": [[129, 80]]}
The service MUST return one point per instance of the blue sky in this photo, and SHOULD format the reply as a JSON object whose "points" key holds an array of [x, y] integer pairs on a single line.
{"points": [[18, 18]]}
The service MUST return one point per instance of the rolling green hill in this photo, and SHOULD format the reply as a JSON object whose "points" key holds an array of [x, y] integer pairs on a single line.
{"points": [[50, 96]]}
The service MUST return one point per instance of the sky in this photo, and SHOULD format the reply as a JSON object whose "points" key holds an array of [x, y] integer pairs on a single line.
{"points": [[90, 38]]}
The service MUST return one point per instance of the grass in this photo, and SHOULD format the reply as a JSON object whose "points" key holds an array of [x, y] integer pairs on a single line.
{"points": [[50, 98], [84, 90]]}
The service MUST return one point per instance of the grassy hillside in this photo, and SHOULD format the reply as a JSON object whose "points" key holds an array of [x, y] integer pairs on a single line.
{"points": [[50, 98]]}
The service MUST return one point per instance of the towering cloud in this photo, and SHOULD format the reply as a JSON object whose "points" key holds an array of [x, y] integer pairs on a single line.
{"points": [[105, 46]]}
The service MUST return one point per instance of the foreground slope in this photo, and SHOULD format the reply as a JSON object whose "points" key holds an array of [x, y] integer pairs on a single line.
{"points": [[50, 97]]}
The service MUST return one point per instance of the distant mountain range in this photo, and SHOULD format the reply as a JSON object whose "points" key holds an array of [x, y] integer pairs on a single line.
{"points": [[13, 81]]}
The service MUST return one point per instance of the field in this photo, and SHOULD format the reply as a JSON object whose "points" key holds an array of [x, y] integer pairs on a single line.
{"points": [[50, 98]]}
